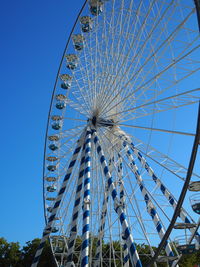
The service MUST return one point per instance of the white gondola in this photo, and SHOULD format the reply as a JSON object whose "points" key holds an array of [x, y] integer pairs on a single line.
{"points": [[194, 186], [49, 209], [96, 7], [50, 198], [53, 147], [60, 105], [72, 61], [51, 188], [53, 138], [56, 118], [67, 81], [50, 179], [60, 97], [56, 125], [78, 41], [61, 101], [183, 245], [51, 158], [185, 225], [86, 23], [51, 168], [195, 202]]}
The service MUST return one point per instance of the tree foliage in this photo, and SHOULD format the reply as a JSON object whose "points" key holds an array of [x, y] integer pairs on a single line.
{"points": [[11, 255], [190, 260]]}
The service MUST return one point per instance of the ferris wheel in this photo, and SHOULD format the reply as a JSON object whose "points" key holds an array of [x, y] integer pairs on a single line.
{"points": [[120, 131]]}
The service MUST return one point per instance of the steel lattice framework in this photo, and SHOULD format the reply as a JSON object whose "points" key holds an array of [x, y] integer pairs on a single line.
{"points": [[119, 136]]}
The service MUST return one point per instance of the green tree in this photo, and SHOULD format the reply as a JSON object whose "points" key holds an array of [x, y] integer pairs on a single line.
{"points": [[28, 253], [10, 254], [190, 260]]}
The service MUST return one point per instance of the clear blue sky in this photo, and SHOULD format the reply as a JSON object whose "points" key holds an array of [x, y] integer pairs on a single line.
{"points": [[33, 35]]}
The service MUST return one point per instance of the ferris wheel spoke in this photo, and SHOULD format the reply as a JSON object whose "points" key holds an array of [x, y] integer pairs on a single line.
{"points": [[161, 105], [150, 81], [136, 38], [119, 32], [80, 93], [75, 119], [149, 88], [85, 67], [88, 80], [129, 115], [89, 72], [148, 39], [110, 56], [130, 104], [138, 55], [156, 60], [93, 50], [156, 129], [79, 102], [107, 49], [145, 86], [94, 65], [77, 105], [71, 132], [124, 60]]}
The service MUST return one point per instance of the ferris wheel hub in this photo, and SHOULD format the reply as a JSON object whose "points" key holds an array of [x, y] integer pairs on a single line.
{"points": [[100, 122]]}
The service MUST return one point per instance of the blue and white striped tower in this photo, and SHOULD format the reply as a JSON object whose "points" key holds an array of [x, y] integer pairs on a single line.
{"points": [[121, 182], [48, 227], [75, 214], [86, 203], [186, 218], [150, 206], [134, 257], [123, 200], [98, 254]]}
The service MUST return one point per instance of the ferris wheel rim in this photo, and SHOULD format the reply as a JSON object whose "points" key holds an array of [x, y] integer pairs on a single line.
{"points": [[51, 101]]}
